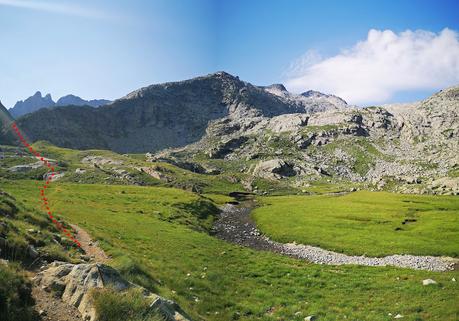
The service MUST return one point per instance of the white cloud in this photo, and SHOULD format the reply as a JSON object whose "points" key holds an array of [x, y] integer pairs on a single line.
{"points": [[385, 63], [56, 7]]}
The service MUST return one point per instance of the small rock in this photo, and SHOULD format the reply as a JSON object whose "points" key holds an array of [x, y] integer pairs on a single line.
{"points": [[453, 279], [33, 253], [42, 312], [310, 318], [428, 282], [398, 316]]}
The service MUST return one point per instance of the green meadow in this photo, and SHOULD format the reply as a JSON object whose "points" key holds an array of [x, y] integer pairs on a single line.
{"points": [[370, 223], [158, 237]]}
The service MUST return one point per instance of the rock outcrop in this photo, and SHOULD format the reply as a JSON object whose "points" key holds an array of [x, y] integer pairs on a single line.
{"points": [[74, 283]]}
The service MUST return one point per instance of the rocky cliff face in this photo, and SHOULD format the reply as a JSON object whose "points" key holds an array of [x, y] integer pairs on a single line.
{"points": [[160, 116], [37, 101]]}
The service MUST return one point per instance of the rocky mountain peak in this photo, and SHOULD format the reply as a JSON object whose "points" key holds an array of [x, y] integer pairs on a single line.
{"points": [[39, 96], [38, 101], [78, 101], [279, 87], [313, 93], [222, 74], [32, 103], [319, 95]]}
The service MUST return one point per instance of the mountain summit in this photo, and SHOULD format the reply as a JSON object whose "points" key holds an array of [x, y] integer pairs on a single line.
{"points": [[31, 104], [37, 101]]}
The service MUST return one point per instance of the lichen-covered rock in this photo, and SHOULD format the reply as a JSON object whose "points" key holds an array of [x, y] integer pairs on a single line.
{"points": [[73, 283]]}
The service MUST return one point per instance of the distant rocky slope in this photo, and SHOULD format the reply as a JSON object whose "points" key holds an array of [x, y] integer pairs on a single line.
{"points": [[6, 136], [167, 115], [37, 101], [409, 148], [31, 104], [77, 101]]}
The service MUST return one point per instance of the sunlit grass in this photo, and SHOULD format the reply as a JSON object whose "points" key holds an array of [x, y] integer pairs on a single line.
{"points": [[371, 223], [214, 280]]}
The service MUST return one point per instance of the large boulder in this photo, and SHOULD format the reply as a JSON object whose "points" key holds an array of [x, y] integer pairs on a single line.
{"points": [[274, 169], [73, 284]]}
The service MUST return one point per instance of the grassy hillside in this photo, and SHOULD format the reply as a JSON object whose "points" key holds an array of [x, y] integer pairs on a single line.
{"points": [[25, 236], [370, 223], [157, 236]]}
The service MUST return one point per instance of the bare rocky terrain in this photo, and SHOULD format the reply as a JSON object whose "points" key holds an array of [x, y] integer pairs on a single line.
{"points": [[410, 148]]}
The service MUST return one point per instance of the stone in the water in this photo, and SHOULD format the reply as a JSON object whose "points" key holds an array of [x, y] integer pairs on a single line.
{"points": [[428, 282]]}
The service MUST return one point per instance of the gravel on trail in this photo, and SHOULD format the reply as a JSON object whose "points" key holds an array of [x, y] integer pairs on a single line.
{"points": [[236, 226]]}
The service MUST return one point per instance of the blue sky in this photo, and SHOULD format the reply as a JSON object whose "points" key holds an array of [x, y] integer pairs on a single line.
{"points": [[105, 49]]}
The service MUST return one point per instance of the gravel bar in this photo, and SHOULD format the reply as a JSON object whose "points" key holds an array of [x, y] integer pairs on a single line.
{"points": [[235, 225]]}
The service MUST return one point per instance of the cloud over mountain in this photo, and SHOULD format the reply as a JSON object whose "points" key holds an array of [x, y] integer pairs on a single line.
{"points": [[384, 64]]}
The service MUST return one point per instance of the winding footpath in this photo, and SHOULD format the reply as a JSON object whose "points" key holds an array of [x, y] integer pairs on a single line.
{"points": [[47, 305], [235, 225]]}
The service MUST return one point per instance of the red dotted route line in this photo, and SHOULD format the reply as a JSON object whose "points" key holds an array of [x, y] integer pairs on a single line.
{"points": [[45, 186]]}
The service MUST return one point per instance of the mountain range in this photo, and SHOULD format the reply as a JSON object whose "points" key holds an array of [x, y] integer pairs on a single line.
{"points": [[37, 101], [167, 115], [271, 133]]}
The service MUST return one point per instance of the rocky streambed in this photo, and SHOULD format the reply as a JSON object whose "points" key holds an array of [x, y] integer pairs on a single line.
{"points": [[236, 226]]}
